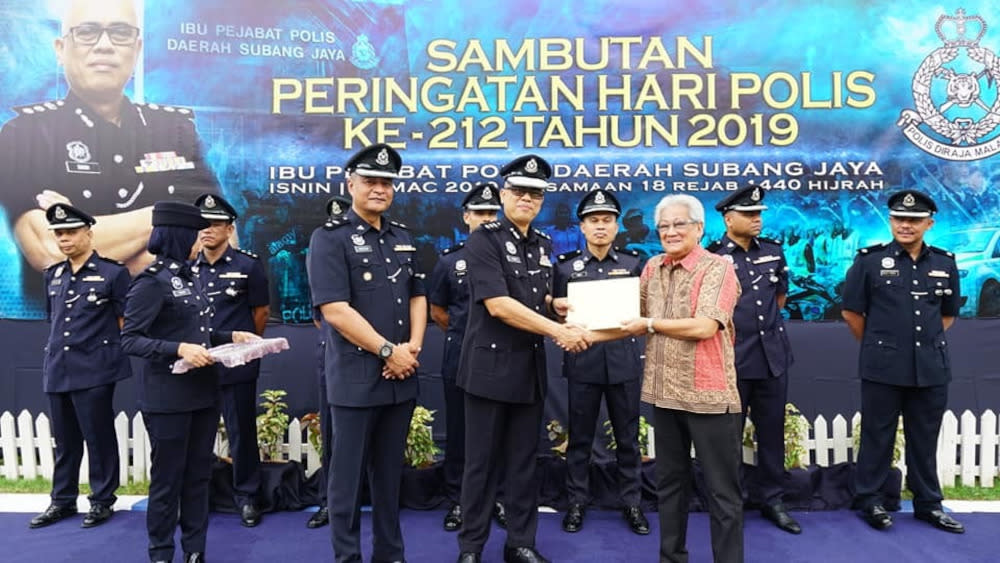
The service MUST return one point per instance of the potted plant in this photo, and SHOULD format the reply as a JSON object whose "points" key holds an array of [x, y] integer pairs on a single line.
{"points": [[312, 424], [272, 424], [559, 436], [420, 447]]}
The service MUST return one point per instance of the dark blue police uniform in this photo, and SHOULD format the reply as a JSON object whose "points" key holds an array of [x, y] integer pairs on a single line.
{"points": [[166, 308], [153, 154], [83, 360], [502, 370], [904, 362], [336, 206], [375, 272], [235, 285]]}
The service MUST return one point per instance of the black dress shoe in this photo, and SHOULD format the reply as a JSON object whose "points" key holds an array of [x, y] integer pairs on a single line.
{"points": [[249, 516], [877, 517], [196, 557], [500, 514], [453, 520], [522, 555], [636, 520], [52, 514], [940, 520], [573, 521], [779, 515], [97, 515], [319, 518], [469, 557]]}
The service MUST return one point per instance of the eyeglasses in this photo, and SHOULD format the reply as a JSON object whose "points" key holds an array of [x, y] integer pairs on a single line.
{"points": [[121, 34], [536, 195], [679, 226]]}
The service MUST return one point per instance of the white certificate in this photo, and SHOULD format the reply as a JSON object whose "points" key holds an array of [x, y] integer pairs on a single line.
{"points": [[602, 304]]}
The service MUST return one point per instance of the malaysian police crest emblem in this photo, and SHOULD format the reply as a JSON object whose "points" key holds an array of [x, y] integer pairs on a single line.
{"points": [[959, 124], [77, 151], [363, 53]]}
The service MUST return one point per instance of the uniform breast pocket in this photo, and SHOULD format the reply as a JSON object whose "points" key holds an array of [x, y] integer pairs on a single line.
{"points": [[367, 273], [489, 359], [890, 285], [517, 283]]}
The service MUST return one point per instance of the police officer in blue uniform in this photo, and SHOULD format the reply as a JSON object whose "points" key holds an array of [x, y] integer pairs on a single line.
{"points": [[336, 207], [611, 370], [95, 148], [168, 318], [366, 283], [502, 364], [449, 298], [235, 283], [83, 361], [763, 353], [899, 299]]}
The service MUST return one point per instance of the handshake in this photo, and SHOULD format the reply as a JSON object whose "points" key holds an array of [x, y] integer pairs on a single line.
{"points": [[576, 338]]}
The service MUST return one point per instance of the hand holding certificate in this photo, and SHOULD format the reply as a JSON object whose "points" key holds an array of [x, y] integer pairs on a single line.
{"points": [[603, 304], [238, 353]]}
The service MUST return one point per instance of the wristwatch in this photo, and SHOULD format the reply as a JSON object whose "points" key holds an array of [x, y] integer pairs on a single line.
{"points": [[649, 326], [385, 351]]}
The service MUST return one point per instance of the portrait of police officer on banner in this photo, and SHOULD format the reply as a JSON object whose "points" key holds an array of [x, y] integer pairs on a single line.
{"points": [[95, 148]]}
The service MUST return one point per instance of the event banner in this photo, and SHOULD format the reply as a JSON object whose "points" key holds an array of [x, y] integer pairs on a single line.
{"points": [[829, 106]]}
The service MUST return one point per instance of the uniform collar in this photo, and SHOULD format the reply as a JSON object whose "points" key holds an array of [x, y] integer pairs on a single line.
{"points": [[689, 261], [89, 264], [202, 260], [729, 245], [359, 225], [588, 256], [128, 115], [897, 249], [507, 225]]}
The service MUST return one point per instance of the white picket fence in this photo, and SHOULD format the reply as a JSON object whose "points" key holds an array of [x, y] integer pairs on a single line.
{"points": [[967, 447]]}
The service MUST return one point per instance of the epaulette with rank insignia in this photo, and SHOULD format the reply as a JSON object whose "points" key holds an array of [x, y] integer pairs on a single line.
{"points": [[872, 248], [334, 223], [451, 249], [111, 260], [40, 107], [947, 253], [770, 240], [569, 255], [167, 109], [628, 251], [247, 252], [542, 234], [714, 245], [491, 226], [155, 267], [53, 265], [398, 224]]}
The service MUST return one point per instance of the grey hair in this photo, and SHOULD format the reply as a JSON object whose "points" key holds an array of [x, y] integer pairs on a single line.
{"points": [[696, 211]]}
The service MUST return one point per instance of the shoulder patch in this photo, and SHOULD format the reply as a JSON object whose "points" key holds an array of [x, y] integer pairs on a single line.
{"points": [[872, 248], [491, 226], [334, 223], [569, 255], [247, 252], [628, 251], [451, 249], [541, 234], [937, 250], [714, 245]]}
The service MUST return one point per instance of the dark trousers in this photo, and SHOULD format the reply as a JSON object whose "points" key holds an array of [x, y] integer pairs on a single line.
{"points": [[77, 417], [179, 479], [502, 435], [368, 440], [454, 448], [716, 439], [239, 411], [922, 409], [325, 430], [766, 399], [622, 400]]}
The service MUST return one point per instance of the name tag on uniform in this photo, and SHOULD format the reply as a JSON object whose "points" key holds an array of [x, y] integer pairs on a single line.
{"points": [[93, 279], [363, 249], [83, 167], [233, 275], [182, 292], [889, 273], [514, 259], [937, 274], [619, 272], [765, 259], [404, 248]]}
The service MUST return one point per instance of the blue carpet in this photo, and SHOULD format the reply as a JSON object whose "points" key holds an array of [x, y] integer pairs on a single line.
{"points": [[832, 536]]}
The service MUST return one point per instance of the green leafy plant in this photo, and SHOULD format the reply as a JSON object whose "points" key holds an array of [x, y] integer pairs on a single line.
{"points": [[796, 433], [559, 436], [272, 424], [420, 447], [897, 447], [315, 431], [643, 436]]}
